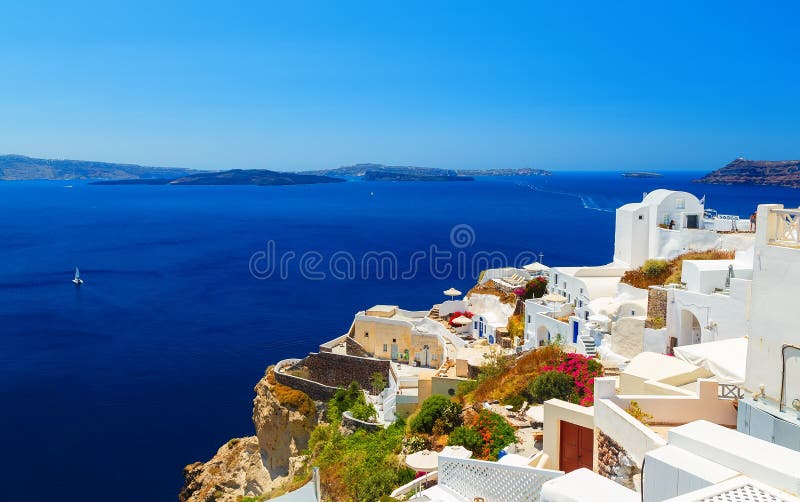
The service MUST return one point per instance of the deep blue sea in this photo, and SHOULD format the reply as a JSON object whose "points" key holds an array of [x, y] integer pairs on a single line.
{"points": [[107, 390]]}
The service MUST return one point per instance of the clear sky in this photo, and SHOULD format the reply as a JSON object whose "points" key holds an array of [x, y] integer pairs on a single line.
{"points": [[299, 85]]}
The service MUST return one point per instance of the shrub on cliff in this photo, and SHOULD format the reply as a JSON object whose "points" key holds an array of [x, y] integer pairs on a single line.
{"points": [[436, 409], [294, 399], [467, 437]]}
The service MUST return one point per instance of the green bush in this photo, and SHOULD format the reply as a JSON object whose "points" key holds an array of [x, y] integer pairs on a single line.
{"points": [[552, 385], [467, 437], [363, 465], [364, 411], [655, 268], [351, 399], [436, 408], [515, 401], [378, 382]]}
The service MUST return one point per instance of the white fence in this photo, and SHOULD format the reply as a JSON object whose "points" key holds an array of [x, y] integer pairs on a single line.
{"points": [[787, 227], [470, 479]]}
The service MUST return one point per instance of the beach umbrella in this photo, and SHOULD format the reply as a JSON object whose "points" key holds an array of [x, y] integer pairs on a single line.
{"points": [[423, 461], [456, 451], [554, 298], [536, 267], [461, 320], [452, 293]]}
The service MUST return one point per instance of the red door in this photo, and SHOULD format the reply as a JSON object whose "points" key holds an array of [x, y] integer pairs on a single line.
{"points": [[576, 447]]}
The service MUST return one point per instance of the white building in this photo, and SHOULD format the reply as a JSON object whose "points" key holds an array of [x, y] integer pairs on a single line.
{"points": [[771, 408], [656, 227]]}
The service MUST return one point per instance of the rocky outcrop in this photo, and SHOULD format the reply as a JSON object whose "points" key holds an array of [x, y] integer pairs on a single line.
{"points": [[756, 172], [236, 470], [255, 465], [282, 432]]}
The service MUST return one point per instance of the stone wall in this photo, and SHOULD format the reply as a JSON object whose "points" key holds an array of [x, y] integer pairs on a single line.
{"points": [[354, 423], [614, 463], [354, 348], [337, 370], [315, 391], [656, 308]]}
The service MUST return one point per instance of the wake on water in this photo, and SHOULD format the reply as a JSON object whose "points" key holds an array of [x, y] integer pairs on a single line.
{"points": [[587, 201]]}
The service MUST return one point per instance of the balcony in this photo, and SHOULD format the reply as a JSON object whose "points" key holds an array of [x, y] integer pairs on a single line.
{"points": [[784, 227]]}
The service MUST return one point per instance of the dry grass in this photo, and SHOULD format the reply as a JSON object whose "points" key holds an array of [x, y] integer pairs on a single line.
{"points": [[294, 399], [516, 378], [489, 288], [672, 273]]}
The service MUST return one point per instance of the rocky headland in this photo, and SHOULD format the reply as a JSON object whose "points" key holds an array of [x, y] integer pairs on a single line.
{"points": [[266, 464], [756, 172]]}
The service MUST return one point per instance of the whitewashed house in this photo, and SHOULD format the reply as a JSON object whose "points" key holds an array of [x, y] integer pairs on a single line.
{"points": [[770, 409]]}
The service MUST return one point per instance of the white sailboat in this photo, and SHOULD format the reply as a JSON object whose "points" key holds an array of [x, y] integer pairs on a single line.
{"points": [[77, 280]]}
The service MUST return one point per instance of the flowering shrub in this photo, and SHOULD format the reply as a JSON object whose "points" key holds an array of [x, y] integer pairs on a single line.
{"points": [[535, 288], [583, 370], [494, 431], [455, 315]]}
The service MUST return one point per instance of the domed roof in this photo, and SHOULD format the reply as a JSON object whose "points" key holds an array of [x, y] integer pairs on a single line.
{"points": [[658, 196]]}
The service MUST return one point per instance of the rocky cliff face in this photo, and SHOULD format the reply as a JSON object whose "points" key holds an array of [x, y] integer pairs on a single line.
{"points": [[756, 172], [254, 465]]}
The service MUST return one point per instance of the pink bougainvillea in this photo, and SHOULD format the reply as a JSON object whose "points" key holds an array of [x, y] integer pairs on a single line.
{"points": [[583, 370]]}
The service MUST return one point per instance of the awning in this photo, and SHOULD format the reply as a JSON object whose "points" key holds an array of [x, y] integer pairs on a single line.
{"points": [[726, 359]]}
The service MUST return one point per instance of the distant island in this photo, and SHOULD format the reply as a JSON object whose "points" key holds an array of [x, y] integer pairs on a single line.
{"points": [[642, 174], [19, 167], [260, 177], [413, 173], [389, 176], [756, 172]]}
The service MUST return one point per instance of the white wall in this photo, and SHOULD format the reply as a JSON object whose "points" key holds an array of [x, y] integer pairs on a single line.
{"points": [[635, 437], [720, 316], [774, 308]]}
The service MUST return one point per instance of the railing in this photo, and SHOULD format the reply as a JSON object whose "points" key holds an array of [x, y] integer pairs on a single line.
{"points": [[787, 227], [471, 479], [417, 485], [730, 391]]}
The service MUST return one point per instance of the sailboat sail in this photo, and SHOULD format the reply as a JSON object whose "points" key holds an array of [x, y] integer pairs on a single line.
{"points": [[77, 273]]}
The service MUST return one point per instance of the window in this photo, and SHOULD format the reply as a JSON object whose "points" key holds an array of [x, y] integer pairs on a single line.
{"points": [[394, 340], [475, 325], [581, 290], [641, 217], [433, 357], [680, 203], [529, 319], [633, 312], [385, 348], [366, 334], [586, 316]]}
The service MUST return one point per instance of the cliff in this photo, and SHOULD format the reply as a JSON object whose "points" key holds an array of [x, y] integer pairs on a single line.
{"points": [[257, 465], [19, 167], [756, 172]]}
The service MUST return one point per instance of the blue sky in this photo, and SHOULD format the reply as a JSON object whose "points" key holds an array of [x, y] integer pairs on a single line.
{"points": [[555, 85]]}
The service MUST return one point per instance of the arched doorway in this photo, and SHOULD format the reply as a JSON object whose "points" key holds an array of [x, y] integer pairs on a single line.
{"points": [[543, 335], [691, 331]]}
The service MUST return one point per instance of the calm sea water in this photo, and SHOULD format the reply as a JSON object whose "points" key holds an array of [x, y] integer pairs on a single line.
{"points": [[109, 389]]}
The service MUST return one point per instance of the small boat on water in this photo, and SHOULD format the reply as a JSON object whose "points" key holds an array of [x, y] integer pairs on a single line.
{"points": [[77, 280]]}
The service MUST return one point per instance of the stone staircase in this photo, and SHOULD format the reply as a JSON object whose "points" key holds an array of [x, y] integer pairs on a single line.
{"points": [[588, 342], [434, 313]]}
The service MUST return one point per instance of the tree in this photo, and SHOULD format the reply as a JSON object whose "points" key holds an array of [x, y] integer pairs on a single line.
{"points": [[552, 385], [436, 408], [377, 382]]}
